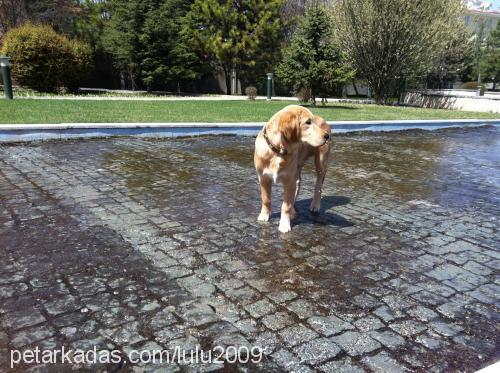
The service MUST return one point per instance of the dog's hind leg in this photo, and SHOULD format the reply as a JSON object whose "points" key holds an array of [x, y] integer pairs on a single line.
{"points": [[297, 183], [297, 189], [320, 161], [266, 184]]}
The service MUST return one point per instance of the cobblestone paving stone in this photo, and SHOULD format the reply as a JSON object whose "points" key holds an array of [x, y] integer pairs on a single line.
{"points": [[131, 243]]}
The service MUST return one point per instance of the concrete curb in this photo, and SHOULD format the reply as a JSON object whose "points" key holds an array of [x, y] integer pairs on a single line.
{"points": [[91, 97], [35, 132]]}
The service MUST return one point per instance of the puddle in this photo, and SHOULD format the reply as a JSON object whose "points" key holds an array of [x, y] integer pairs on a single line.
{"points": [[144, 170]]}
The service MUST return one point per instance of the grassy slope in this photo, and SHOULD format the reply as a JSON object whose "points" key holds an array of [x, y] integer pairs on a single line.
{"points": [[67, 111]]}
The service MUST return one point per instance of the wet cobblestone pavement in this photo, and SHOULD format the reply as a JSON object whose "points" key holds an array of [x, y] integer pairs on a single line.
{"points": [[151, 244]]}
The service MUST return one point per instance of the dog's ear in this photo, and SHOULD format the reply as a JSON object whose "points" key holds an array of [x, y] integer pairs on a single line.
{"points": [[289, 126]]}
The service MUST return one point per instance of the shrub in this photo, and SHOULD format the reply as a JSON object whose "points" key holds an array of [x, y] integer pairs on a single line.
{"points": [[304, 94], [474, 86], [45, 60], [251, 92], [82, 65]]}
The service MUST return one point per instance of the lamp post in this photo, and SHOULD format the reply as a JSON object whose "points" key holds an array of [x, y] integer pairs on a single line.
{"points": [[479, 36], [479, 39], [234, 82], [7, 81], [269, 85]]}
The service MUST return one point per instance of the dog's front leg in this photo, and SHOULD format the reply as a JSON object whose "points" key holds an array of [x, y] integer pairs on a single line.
{"points": [[287, 209], [266, 184]]}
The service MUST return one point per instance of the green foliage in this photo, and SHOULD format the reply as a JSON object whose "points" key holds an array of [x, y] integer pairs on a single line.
{"points": [[165, 56], [314, 61], [393, 40], [90, 23], [455, 62], [45, 60], [144, 39], [121, 38], [81, 65], [242, 35], [490, 64]]}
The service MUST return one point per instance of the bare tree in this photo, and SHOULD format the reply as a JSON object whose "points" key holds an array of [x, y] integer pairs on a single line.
{"points": [[60, 14], [390, 41], [12, 14]]}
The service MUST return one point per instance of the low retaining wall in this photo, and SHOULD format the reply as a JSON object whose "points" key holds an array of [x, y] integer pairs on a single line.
{"points": [[38, 132], [436, 100]]}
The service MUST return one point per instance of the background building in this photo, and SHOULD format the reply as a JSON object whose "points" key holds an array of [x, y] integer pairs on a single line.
{"points": [[482, 12]]}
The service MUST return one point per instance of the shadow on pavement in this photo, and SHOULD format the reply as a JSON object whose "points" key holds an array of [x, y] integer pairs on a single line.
{"points": [[324, 217]]}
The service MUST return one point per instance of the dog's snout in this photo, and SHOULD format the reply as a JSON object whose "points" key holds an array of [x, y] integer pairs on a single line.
{"points": [[326, 137]]}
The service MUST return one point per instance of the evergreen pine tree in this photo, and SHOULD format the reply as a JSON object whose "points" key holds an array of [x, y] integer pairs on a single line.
{"points": [[242, 35], [144, 38], [313, 61], [491, 58], [164, 55]]}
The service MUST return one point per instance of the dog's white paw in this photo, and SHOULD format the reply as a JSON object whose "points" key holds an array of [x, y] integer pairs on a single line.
{"points": [[284, 226], [263, 217]]}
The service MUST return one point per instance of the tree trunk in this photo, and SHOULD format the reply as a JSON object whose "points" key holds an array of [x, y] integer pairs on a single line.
{"points": [[378, 95], [132, 79], [122, 80], [355, 88], [378, 90], [227, 77]]}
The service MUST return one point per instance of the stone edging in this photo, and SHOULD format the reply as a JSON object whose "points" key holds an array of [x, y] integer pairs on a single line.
{"points": [[33, 132]]}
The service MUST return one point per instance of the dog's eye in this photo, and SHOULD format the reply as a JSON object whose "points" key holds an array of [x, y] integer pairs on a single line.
{"points": [[308, 121]]}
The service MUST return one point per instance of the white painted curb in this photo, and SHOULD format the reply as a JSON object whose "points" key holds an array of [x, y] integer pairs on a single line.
{"points": [[494, 368], [334, 124]]}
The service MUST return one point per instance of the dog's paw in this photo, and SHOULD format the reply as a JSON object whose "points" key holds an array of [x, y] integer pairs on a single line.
{"points": [[284, 226], [314, 208], [263, 217]]}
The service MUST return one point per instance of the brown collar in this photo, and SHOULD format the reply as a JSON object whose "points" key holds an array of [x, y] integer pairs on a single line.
{"points": [[280, 151]]}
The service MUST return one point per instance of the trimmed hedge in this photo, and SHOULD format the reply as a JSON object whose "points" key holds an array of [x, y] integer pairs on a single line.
{"points": [[44, 60]]}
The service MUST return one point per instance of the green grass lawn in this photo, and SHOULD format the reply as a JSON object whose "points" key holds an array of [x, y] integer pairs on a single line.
{"points": [[67, 111]]}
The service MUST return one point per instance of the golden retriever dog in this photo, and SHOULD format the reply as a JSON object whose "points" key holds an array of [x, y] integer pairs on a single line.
{"points": [[282, 147]]}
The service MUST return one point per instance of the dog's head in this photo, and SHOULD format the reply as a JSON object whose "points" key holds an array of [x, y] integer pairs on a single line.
{"points": [[297, 124]]}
